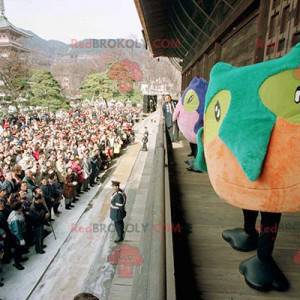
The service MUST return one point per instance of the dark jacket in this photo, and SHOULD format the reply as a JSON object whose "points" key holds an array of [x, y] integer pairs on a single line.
{"points": [[117, 206], [30, 183], [37, 215], [7, 186], [55, 190], [46, 189], [3, 219], [17, 225], [168, 114]]}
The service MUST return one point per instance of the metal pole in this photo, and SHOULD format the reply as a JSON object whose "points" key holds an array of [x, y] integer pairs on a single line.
{"points": [[50, 220]]}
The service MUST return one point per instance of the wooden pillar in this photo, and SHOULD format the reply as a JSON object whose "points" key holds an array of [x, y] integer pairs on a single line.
{"points": [[262, 28], [218, 52]]}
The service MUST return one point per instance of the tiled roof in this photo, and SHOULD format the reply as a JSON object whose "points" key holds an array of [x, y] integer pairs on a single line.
{"points": [[5, 24]]}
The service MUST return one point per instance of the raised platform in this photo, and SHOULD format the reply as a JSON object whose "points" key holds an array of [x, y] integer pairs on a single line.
{"points": [[206, 267]]}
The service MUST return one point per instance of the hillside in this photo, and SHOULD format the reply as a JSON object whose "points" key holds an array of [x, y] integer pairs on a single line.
{"points": [[71, 63]]}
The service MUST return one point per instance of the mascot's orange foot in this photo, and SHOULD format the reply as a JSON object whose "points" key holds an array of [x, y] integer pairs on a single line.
{"points": [[263, 275], [240, 240]]}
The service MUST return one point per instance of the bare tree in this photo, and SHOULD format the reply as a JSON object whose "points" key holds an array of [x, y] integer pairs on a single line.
{"points": [[14, 75]]}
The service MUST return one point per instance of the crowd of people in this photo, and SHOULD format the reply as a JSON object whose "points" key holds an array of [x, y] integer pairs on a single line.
{"points": [[48, 160]]}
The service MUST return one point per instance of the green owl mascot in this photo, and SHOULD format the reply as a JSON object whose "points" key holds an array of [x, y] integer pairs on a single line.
{"points": [[250, 147]]}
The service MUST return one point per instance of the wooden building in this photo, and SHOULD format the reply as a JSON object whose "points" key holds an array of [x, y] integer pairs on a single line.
{"points": [[239, 32], [195, 34]]}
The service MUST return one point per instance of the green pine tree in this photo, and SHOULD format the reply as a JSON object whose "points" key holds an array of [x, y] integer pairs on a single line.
{"points": [[98, 85], [46, 91]]}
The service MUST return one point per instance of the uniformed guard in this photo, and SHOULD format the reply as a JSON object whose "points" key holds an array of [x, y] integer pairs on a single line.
{"points": [[145, 140], [117, 210]]}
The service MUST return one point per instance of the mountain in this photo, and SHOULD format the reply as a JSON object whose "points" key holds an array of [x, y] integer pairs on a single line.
{"points": [[49, 48], [71, 63], [55, 50]]}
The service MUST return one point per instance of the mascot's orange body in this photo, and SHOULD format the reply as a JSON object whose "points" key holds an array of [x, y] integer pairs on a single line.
{"points": [[249, 145]]}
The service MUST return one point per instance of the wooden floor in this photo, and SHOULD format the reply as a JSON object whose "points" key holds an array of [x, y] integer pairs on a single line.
{"points": [[213, 273]]}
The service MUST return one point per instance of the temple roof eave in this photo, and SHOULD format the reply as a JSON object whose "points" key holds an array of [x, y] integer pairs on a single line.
{"points": [[14, 46], [6, 25]]}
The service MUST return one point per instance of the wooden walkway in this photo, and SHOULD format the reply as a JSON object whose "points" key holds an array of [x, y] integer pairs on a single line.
{"points": [[206, 266]]}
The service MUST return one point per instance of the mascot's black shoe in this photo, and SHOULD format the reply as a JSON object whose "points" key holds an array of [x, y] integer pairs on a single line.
{"points": [[192, 170], [189, 162], [240, 240], [120, 239], [263, 275]]}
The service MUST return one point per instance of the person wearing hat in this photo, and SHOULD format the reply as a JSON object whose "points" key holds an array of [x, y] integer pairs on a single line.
{"points": [[145, 140], [117, 209], [85, 296]]}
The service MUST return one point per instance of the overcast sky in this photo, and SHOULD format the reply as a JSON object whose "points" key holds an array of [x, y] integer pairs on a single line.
{"points": [[65, 20]]}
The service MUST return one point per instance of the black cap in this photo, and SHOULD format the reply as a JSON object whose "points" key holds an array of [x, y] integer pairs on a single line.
{"points": [[115, 183]]}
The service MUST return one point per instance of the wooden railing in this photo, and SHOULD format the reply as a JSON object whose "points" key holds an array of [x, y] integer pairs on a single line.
{"points": [[170, 270]]}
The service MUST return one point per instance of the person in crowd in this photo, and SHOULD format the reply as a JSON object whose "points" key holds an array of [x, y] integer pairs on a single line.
{"points": [[77, 170], [47, 196], [46, 157], [6, 183], [39, 215], [69, 188], [2, 239], [26, 199], [7, 239], [17, 227], [168, 110], [94, 172], [87, 169], [56, 192], [30, 180]]}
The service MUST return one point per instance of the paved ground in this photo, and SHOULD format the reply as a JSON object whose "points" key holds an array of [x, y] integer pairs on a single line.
{"points": [[78, 260]]}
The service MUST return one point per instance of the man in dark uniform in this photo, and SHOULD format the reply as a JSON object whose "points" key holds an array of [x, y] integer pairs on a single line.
{"points": [[168, 109], [145, 140], [117, 210]]}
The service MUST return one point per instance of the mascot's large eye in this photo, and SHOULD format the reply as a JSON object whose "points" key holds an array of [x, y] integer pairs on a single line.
{"points": [[218, 111], [215, 114], [191, 101], [280, 93], [297, 95]]}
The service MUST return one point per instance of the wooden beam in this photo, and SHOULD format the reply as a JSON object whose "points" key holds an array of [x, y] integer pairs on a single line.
{"points": [[191, 19], [182, 24], [226, 2], [147, 11], [177, 30], [203, 11], [143, 22], [228, 22]]}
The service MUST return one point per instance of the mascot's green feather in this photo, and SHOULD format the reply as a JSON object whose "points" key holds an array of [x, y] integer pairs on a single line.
{"points": [[245, 126], [199, 163]]}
